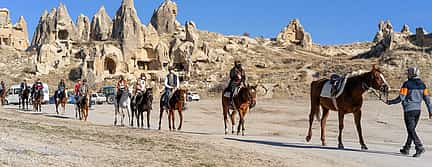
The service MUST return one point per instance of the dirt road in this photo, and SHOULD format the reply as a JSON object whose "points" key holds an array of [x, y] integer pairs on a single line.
{"points": [[275, 133]]}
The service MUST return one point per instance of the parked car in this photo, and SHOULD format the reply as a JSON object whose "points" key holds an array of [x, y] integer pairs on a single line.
{"points": [[99, 98], [13, 95], [109, 93], [193, 96]]}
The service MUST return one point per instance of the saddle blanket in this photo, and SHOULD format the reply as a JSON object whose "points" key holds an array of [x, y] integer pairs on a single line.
{"points": [[326, 91]]}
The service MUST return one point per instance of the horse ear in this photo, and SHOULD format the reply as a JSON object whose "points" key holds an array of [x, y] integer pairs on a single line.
{"points": [[374, 67]]}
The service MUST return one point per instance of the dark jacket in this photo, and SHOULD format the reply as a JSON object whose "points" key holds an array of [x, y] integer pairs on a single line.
{"points": [[237, 76], [412, 93]]}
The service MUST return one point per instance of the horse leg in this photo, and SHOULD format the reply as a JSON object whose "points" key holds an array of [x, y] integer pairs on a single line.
{"points": [[115, 116], [240, 122], [169, 119], [313, 111], [341, 126], [233, 114], [148, 119], [160, 117], [181, 118], [323, 125], [357, 120], [173, 120], [134, 114], [225, 115]]}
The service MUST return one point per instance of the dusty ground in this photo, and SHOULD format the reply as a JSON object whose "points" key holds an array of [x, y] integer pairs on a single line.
{"points": [[274, 137]]}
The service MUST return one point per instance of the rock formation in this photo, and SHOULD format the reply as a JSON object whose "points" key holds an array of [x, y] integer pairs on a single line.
{"points": [[164, 18], [101, 26], [384, 29], [191, 32], [295, 34], [406, 29], [83, 28], [15, 36]]}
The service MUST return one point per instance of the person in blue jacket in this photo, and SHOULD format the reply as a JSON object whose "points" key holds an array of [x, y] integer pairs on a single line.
{"points": [[412, 93]]}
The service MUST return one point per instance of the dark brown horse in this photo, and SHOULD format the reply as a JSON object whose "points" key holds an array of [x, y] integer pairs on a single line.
{"points": [[3, 94], [245, 100], [176, 102], [144, 105], [84, 106], [350, 101], [60, 99], [37, 101], [24, 98]]}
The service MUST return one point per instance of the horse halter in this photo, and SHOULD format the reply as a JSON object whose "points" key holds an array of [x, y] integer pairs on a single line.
{"points": [[382, 94]]}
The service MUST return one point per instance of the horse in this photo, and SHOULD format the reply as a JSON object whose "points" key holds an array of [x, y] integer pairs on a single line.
{"points": [[37, 101], [349, 101], [243, 102], [24, 98], [138, 109], [124, 103], [176, 102], [84, 107], [77, 109], [60, 98], [3, 94]]}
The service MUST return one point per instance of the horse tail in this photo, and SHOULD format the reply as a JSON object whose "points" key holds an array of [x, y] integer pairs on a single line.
{"points": [[315, 98]]}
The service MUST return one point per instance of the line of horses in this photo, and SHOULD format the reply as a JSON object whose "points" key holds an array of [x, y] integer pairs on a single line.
{"points": [[350, 101]]}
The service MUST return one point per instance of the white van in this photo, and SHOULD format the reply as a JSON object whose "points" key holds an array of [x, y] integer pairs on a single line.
{"points": [[15, 90], [13, 94]]}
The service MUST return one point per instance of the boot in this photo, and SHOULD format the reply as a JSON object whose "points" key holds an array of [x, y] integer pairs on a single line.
{"points": [[405, 150], [419, 152]]}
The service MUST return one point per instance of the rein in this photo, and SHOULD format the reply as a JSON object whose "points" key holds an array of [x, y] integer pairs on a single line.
{"points": [[377, 94]]}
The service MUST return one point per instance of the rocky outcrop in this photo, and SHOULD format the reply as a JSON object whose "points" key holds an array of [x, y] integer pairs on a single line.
{"points": [[164, 18], [295, 34], [191, 32], [384, 29], [83, 28], [15, 36], [57, 25], [101, 26], [128, 29], [406, 29]]}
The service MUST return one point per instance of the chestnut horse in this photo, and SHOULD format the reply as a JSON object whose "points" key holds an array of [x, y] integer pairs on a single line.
{"points": [[350, 101], [37, 101], [245, 100], [176, 102], [84, 106]]}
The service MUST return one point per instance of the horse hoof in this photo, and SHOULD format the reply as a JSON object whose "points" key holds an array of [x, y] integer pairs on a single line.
{"points": [[308, 138], [324, 144], [341, 146], [364, 147]]}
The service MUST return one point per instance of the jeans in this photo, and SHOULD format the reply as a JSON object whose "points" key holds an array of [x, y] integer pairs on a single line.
{"points": [[411, 119], [167, 95]]}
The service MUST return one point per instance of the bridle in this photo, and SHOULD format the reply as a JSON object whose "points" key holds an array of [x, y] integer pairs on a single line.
{"points": [[382, 94]]}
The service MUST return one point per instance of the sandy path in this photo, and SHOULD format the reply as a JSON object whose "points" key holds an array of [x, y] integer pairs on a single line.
{"points": [[275, 133]]}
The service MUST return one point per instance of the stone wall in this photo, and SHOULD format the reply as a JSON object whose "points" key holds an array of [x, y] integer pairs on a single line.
{"points": [[15, 36]]}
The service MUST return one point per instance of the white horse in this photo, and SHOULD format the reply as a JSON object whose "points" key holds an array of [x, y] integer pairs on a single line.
{"points": [[123, 104]]}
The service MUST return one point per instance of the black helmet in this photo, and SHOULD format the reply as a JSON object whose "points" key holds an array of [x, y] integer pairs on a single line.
{"points": [[84, 80]]}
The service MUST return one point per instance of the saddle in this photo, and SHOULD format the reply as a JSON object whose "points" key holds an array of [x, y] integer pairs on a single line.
{"points": [[334, 87]]}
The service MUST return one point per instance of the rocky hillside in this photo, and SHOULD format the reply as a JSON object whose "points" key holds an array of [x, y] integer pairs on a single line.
{"points": [[282, 67]]}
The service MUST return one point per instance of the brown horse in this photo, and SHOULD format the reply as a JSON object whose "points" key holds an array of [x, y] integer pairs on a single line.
{"points": [[350, 101], [61, 99], [176, 102], [244, 101], [37, 101], [145, 105], [24, 98], [83, 107], [3, 95]]}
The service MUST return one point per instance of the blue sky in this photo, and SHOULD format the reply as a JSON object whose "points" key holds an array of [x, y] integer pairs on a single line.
{"points": [[329, 21]]}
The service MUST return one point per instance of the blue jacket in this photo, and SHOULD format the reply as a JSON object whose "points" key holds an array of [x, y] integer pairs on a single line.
{"points": [[411, 95]]}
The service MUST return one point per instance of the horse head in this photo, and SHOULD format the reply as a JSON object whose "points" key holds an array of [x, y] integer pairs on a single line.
{"points": [[252, 95], [377, 81]]}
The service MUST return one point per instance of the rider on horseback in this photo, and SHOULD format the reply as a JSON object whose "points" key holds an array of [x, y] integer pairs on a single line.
{"points": [[140, 88], [83, 91], [171, 83], [61, 88], [122, 87], [37, 88], [237, 78], [23, 86]]}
